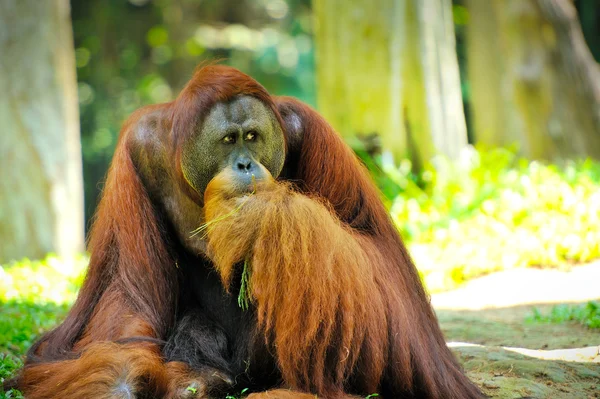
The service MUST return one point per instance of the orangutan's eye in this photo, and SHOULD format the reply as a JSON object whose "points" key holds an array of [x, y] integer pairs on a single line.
{"points": [[250, 136], [229, 139]]}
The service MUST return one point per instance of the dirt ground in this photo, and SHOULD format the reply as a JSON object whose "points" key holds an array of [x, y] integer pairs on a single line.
{"points": [[508, 357]]}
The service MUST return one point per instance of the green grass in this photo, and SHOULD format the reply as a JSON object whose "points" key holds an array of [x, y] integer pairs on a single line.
{"points": [[587, 315], [34, 297], [21, 323]]}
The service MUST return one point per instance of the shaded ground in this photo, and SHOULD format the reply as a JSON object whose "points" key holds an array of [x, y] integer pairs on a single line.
{"points": [[505, 374], [521, 359]]}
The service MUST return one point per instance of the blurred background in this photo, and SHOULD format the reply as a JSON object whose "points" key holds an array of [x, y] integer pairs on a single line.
{"points": [[451, 104], [479, 120]]}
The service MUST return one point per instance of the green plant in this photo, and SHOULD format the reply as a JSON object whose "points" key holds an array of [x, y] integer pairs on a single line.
{"points": [[34, 297], [244, 295], [49, 280], [21, 323], [11, 394], [491, 211], [238, 396], [191, 389], [588, 314]]}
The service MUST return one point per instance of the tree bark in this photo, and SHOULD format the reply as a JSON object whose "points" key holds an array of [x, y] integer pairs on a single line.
{"points": [[41, 197], [577, 116], [533, 78], [389, 68], [494, 119]]}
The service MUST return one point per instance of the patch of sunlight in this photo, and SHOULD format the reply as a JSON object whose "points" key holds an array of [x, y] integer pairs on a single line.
{"points": [[523, 287], [589, 354], [52, 280]]}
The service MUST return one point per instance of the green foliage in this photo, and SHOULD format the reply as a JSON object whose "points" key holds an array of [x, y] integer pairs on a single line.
{"points": [[491, 211], [11, 394], [34, 297], [8, 364], [22, 322], [20, 325], [588, 314], [51, 280]]}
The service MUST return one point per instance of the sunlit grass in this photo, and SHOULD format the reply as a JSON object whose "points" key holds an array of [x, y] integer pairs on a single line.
{"points": [[491, 211], [48, 281], [34, 297]]}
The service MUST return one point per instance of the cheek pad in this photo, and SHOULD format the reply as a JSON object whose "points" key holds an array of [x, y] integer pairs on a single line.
{"points": [[276, 156], [199, 166]]}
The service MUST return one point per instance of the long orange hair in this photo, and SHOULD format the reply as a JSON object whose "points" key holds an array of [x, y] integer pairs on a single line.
{"points": [[337, 297]]}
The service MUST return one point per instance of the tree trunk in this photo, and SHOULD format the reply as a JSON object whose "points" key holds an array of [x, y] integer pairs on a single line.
{"points": [[389, 68], [41, 200], [575, 124], [495, 119], [540, 85]]}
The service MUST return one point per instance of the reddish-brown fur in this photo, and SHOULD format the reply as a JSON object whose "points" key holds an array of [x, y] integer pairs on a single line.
{"points": [[316, 292], [104, 370], [335, 290]]}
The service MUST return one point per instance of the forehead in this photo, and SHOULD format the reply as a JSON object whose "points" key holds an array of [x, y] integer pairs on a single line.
{"points": [[238, 111]]}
